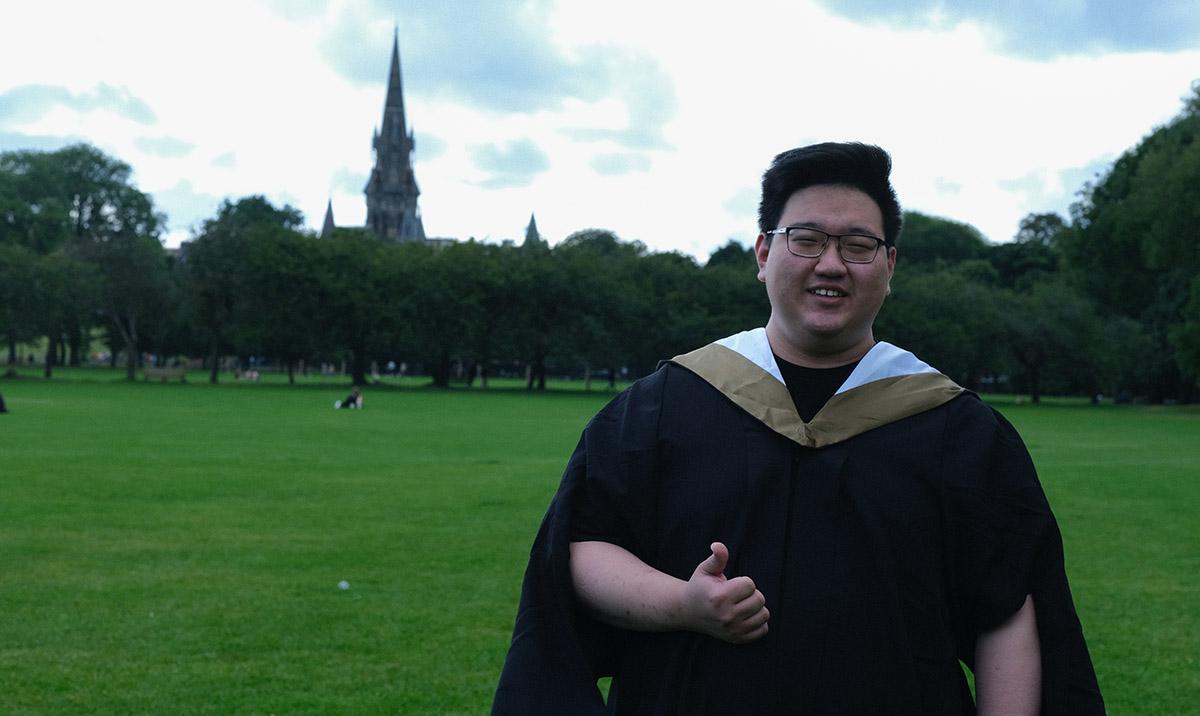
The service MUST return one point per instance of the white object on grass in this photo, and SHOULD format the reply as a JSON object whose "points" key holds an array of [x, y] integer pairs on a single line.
{"points": [[343, 584]]}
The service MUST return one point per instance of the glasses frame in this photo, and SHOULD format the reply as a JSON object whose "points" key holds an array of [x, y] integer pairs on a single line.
{"points": [[786, 232]]}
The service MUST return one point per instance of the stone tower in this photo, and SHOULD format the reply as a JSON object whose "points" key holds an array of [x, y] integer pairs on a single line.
{"points": [[392, 191]]}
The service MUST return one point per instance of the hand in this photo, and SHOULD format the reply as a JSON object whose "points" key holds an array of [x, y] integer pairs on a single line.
{"points": [[731, 610]]}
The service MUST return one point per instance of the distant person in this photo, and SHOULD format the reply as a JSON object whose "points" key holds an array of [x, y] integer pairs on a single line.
{"points": [[354, 401], [799, 519]]}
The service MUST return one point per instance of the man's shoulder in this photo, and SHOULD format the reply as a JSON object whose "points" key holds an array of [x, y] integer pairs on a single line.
{"points": [[669, 385]]}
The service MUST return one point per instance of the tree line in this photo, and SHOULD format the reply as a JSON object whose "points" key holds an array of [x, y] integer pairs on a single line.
{"points": [[1105, 301]]}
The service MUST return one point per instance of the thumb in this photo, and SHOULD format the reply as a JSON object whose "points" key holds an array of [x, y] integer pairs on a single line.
{"points": [[715, 563]]}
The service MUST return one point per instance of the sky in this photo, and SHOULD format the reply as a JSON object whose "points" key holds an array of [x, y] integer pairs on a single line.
{"points": [[653, 119]]}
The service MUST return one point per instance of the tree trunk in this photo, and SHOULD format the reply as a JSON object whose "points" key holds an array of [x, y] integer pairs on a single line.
{"points": [[129, 334], [74, 345], [441, 371], [131, 358], [528, 376], [1035, 385], [12, 348], [359, 365], [214, 362], [291, 372], [612, 378], [51, 353]]}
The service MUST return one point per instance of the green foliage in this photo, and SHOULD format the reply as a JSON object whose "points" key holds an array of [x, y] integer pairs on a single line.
{"points": [[1185, 336], [732, 255], [1100, 304], [928, 240], [954, 320], [1134, 248], [80, 202]]}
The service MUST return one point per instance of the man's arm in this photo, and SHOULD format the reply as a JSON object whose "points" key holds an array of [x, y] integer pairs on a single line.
{"points": [[1008, 666], [625, 592]]}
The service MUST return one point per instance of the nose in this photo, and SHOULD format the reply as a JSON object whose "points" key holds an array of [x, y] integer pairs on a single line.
{"points": [[830, 262]]}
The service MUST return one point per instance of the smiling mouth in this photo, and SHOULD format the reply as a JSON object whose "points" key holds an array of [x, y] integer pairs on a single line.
{"points": [[827, 292]]}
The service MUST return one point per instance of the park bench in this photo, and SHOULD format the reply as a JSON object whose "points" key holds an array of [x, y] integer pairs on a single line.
{"points": [[165, 373]]}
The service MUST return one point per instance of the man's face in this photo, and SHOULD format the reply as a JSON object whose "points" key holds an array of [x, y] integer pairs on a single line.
{"points": [[824, 307]]}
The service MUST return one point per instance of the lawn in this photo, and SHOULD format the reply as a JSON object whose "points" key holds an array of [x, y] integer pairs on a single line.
{"points": [[178, 548]]}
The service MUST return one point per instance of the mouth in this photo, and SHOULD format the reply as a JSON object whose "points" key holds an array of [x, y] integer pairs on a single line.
{"points": [[827, 292]]}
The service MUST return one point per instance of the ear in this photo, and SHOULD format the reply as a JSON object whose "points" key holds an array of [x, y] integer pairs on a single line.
{"points": [[891, 263], [762, 247]]}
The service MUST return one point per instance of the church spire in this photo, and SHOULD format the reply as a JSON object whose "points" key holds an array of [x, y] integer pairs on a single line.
{"points": [[393, 106], [532, 237], [328, 227], [392, 191]]}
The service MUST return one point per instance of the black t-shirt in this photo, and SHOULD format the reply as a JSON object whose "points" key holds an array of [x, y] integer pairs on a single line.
{"points": [[811, 388]]}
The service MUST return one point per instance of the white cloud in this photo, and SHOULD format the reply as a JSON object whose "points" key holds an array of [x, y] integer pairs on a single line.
{"points": [[977, 136]]}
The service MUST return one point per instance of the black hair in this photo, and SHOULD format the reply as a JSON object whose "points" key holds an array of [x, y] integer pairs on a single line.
{"points": [[865, 167]]}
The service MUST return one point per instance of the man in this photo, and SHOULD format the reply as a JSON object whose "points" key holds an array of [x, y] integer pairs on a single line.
{"points": [[799, 519]]}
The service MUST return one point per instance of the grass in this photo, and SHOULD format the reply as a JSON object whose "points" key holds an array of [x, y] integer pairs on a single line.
{"points": [[178, 548]]}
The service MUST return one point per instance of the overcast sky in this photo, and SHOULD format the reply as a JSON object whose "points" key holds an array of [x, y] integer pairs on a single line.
{"points": [[652, 119]]}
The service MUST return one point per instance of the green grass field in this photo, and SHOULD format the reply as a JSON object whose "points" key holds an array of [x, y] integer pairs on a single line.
{"points": [[177, 548]]}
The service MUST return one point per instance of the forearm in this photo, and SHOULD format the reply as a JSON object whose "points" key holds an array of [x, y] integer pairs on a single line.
{"points": [[1008, 666], [623, 591]]}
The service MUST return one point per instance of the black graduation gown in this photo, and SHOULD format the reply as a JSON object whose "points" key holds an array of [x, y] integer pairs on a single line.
{"points": [[881, 556]]}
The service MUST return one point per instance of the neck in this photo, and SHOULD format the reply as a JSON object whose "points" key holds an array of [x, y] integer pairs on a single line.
{"points": [[818, 353]]}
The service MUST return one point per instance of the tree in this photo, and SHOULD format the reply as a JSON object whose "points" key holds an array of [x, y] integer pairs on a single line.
{"points": [[732, 255], [33, 209], [1032, 255], [1055, 337], [928, 240], [109, 224], [354, 295], [1132, 247], [18, 302], [61, 293], [283, 284], [948, 318], [217, 266], [1185, 335]]}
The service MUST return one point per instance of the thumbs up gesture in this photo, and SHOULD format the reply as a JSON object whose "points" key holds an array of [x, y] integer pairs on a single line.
{"points": [[732, 610]]}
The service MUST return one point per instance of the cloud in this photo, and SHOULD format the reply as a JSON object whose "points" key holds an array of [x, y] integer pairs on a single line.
{"points": [[743, 203], [1043, 29], [499, 57], [348, 181], [512, 165], [428, 147], [1055, 190], [228, 160], [185, 208], [164, 146], [29, 103], [492, 54], [649, 96], [10, 141], [623, 163]]}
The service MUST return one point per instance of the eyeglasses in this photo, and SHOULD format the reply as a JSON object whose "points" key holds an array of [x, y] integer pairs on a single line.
{"points": [[810, 244]]}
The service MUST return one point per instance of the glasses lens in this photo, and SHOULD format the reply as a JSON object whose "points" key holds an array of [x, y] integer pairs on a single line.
{"points": [[806, 242], [858, 249]]}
